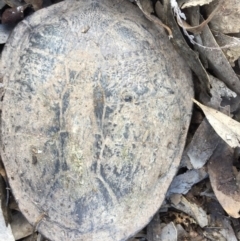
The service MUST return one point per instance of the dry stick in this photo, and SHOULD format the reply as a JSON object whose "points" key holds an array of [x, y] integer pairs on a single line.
{"points": [[154, 19]]}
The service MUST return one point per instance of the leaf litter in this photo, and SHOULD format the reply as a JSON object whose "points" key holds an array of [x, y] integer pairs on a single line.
{"points": [[227, 128]]}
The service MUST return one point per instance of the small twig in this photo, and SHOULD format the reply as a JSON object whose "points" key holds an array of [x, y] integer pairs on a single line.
{"points": [[154, 19]]}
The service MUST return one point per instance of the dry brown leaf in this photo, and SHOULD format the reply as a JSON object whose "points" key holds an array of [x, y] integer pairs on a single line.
{"points": [[227, 128], [223, 179]]}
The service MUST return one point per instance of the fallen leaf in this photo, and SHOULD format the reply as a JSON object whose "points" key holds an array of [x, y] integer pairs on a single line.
{"points": [[175, 198], [227, 231], [203, 144], [192, 3], [169, 232], [182, 234], [193, 210], [227, 128], [217, 61], [218, 219], [154, 229], [236, 226], [182, 183], [219, 91], [215, 211], [223, 180], [20, 226]]}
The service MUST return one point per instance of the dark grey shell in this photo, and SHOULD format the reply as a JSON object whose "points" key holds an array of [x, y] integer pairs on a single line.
{"points": [[95, 114]]}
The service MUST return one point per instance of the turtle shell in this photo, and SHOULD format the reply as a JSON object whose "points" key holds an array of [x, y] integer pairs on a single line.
{"points": [[95, 113]]}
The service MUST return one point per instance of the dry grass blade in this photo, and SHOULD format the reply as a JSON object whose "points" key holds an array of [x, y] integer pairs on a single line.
{"points": [[225, 179], [227, 128], [199, 28]]}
